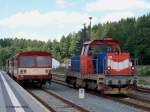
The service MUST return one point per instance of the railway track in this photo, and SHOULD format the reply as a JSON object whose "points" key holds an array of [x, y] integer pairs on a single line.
{"points": [[54, 102], [139, 88], [142, 89], [131, 100]]}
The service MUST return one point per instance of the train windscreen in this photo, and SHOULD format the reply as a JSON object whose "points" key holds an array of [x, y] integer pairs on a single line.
{"points": [[27, 61], [43, 61], [35, 61]]}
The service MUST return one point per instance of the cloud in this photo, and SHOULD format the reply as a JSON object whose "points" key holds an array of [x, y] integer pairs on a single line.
{"points": [[64, 3], [116, 5], [37, 19], [116, 16], [51, 25], [61, 2]]}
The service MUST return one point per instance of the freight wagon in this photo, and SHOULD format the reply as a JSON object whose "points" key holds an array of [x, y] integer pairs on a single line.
{"points": [[102, 66], [31, 66]]}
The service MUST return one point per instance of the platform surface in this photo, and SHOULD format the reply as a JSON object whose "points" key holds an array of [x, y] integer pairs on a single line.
{"points": [[13, 98]]}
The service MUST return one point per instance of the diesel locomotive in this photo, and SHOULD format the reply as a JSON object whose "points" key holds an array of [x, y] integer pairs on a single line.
{"points": [[102, 66]]}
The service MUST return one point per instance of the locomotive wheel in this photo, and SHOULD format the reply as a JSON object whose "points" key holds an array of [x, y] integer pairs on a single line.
{"points": [[102, 89]]}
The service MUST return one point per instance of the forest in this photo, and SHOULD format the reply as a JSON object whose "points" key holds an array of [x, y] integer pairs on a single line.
{"points": [[133, 34]]}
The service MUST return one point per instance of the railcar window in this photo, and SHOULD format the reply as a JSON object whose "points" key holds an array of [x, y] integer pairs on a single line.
{"points": [[27, 61], [43, 61]]}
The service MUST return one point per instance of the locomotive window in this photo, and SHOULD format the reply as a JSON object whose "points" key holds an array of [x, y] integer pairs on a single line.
{"points": [[43, 61], [27, 61], [101, 48]]}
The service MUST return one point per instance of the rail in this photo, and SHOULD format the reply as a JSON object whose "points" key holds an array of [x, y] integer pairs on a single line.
{"points": [[53, 109], [130, 100], [142, 89]]}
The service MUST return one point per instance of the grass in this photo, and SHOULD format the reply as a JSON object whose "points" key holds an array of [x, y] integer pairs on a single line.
{"points": [[143, 82]]}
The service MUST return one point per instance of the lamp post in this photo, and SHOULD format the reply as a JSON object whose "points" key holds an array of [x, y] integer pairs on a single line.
{"points": [[90, 18], [84, 33]]}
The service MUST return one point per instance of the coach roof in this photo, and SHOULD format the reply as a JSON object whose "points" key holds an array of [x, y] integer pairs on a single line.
{"points": [[34, 53]]}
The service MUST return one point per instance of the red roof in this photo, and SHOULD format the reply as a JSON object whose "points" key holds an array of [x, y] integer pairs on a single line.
{"points": [[102, 42], [33, 53]]}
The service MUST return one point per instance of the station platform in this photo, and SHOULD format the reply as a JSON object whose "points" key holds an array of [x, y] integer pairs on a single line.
{"points": [[13, 98]]}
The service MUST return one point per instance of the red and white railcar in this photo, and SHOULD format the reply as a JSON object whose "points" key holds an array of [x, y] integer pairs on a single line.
{"points": [[31, 66]]}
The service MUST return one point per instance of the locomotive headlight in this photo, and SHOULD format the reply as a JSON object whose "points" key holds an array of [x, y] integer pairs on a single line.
{"points": [[108, 68], [132, 68]]}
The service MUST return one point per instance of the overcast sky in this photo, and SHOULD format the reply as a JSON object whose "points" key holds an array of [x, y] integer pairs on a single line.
{"points": [[50, 19]]}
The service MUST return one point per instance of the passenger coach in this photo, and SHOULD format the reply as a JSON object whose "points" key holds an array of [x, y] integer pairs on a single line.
{"points": [[31, 66]]}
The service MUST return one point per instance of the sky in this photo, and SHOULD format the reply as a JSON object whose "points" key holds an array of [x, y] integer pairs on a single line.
{"points": [[51, 19]]}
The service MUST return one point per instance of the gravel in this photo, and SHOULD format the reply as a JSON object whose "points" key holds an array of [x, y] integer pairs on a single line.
{"points": [[53, 102], [90, 102], [142, 95]]}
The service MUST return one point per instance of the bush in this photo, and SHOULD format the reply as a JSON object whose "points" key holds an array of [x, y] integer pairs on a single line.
{"points": [[143, 71]]}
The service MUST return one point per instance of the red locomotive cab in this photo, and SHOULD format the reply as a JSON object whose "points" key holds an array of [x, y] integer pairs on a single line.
{"points": [[89, 58]]}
